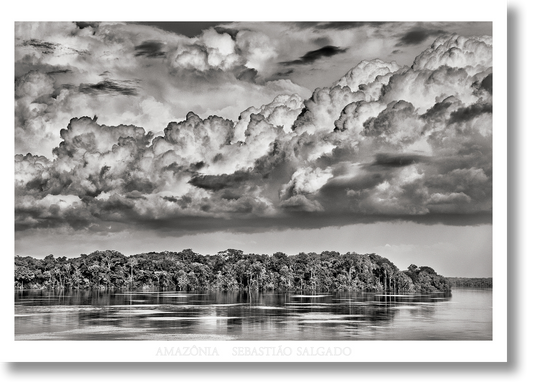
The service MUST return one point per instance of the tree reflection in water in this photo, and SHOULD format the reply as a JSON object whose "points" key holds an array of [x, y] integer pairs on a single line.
{"points": [[97, 315]]}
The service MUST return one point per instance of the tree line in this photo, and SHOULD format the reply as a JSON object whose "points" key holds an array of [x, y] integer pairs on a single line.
{"points": [[471, 282], [230, 270]]}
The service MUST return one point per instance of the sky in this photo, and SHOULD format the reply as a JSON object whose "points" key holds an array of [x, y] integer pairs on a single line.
{"points": [[296, 137]]}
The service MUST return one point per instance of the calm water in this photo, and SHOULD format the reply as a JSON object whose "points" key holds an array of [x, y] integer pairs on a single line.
{"points": [[466, 314]]}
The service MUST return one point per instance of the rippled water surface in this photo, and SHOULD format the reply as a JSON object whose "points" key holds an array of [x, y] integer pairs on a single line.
{"points": [[466, 314]]}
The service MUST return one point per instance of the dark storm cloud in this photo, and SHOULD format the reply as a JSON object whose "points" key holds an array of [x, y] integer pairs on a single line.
{"points": [[190, 29], [336, 25], [150, 49], [315, 55], [417, 36], [59, 71], [468, 113], [247, 75], [487, 83], [346, 25], [219, 182], [230, 31], [398, 160], [109, 87], [82, 25], [303, 220]]}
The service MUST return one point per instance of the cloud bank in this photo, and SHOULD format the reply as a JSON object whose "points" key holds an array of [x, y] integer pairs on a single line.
{"points": [[135, 74], [384, 142]]}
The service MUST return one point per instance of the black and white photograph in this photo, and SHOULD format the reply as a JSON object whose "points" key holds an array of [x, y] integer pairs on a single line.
{"points": [[229, 188]]}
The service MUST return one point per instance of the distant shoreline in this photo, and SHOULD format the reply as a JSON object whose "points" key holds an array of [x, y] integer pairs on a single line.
{"points": [[461, 282]]}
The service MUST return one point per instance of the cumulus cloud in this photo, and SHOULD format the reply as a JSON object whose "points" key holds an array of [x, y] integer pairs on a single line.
{"points": [[368, 73], [383, 142], [128, 73], [470, 53]]}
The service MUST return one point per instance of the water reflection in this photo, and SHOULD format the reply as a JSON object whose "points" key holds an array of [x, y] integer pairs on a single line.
{"points": [[97, 315]]}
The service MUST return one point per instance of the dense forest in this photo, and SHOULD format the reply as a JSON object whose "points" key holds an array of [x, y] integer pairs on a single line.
{"points": [[226, 270], [471, 282]]}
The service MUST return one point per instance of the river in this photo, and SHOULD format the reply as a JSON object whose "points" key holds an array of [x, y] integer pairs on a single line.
{"points": [[466, 314]]}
